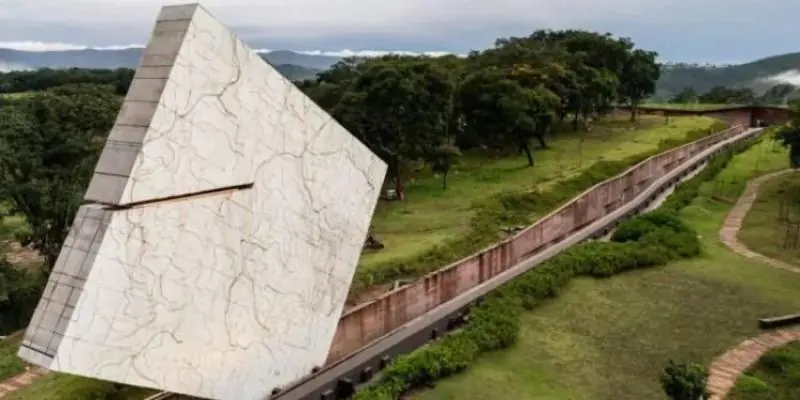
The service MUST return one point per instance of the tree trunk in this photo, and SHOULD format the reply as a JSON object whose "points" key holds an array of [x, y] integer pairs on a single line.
{"points": [[575, 122], [528, 153], [633, 112], [398, 179], [444, 180], [542, 143]]}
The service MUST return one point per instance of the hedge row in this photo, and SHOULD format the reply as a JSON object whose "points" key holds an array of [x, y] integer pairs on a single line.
{"points": [[687, 191], [509, 209], [647, 240]]}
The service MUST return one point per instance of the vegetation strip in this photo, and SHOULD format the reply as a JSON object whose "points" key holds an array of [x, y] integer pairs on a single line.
{"points": [[733, 223], [648, 240], [510, 209], [727, 367]]}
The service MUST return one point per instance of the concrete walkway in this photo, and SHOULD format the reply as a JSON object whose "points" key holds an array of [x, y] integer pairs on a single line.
{"points": [[20, 381], [725, 369], [733, 223]]}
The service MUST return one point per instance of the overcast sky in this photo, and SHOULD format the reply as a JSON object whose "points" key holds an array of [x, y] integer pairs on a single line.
{"points": [[680, 30]]}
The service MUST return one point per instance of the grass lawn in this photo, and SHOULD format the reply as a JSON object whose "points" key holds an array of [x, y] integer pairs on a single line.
{"points": [[610, 338], [10, 364], [68, 387], [430, 214], [761, 230], [690, 106], [776, 376], [16, 95]]}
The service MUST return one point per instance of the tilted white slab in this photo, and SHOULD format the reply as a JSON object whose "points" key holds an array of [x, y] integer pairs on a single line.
{"points": [[224, 295]]}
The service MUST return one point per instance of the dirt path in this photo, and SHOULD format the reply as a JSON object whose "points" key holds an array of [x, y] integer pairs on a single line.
{"points": [[20, 381], [725, 369], [733, 223]]}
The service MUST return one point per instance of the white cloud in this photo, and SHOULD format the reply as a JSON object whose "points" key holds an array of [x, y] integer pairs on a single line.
{"points": [[6, 67], [42, 46], [32, 46], [791, 77]]}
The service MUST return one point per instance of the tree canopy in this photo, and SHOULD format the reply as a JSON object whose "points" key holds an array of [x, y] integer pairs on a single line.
{"points": [[409, 108]]}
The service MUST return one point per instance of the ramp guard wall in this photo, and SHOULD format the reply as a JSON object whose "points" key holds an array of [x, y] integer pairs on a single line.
{"points": [[368, 322]]}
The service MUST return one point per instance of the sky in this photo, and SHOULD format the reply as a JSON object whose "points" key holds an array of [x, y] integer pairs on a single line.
{"points": [[715, 31]]}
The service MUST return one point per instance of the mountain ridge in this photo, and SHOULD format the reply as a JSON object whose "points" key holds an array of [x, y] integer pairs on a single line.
{"points": [[758, 75]]}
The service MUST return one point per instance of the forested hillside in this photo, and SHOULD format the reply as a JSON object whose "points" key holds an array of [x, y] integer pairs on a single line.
{"points": [[759, 75]]}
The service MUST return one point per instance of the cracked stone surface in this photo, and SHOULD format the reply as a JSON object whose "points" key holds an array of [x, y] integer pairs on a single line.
{"points": [[227, 213]]}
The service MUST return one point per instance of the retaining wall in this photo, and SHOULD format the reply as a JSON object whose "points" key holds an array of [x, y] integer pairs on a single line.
{"points": [[367, 322]]}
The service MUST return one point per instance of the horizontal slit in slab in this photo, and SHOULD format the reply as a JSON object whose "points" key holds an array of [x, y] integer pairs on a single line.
{"points": [[37, 350], [179, 197]]}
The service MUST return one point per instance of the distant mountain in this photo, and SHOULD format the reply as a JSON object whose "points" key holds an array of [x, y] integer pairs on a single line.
{"points": [[290, 64], [759, 75]]}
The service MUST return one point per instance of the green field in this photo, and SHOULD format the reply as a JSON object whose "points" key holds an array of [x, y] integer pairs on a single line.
{"points": [[697, 106], [10, 364], [690, 106], [430, 215], [761, 230], [776, 376], [610, 338]]}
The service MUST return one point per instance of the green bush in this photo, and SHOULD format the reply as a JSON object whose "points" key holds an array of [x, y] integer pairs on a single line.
{"points": [[21, 297], [661, 236], [508, 208], [682, 381], [688, 190], [752, 388]]}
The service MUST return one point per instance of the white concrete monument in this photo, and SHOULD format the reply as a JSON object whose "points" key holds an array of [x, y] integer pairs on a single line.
{"points": [[223, 225]]}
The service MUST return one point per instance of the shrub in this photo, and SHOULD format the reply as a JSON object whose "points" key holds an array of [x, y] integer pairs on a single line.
{"points": [[661, 236], [753, 388], [508, 208], [23, 290], [682, 381]]}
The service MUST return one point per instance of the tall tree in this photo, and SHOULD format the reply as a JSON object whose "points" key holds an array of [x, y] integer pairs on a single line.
{"points": [[399, 107], [789, 135], [638, 79], [49, 144], [501, 107]]}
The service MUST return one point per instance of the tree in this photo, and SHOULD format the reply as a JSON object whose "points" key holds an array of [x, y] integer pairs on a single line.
{"points": [[49, 144], [682, 381], [638, 79], [503, 109], [685, 96], [789, 135], [399, 107], [442, 159]]}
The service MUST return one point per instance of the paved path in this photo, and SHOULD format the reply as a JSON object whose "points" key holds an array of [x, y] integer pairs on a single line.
{"points": [[726, 368], [20, 381], [733, 223]]}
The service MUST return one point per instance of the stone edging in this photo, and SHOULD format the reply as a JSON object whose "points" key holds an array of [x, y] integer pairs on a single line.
{"points": [[729, 233], [725, 369]]}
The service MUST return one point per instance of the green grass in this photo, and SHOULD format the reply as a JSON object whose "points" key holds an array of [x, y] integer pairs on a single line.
{"points": [[610, 338], [69, 387], [776, 376], [761, 230], [698, 106], [690, 106], [430, 215], [16, 95], [10, 364]]}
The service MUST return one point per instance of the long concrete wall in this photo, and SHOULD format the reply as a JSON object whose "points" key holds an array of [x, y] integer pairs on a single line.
{"points": [[365, 323]]}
